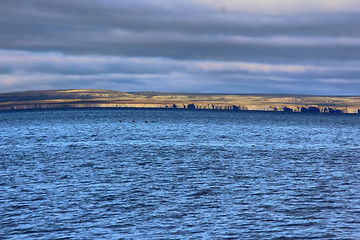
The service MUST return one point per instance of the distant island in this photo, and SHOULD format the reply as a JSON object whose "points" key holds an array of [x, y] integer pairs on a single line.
{"points": [[87, 98]]}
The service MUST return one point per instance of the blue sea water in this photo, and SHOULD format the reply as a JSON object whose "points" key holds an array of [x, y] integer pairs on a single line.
{"points": [[83, 174]]}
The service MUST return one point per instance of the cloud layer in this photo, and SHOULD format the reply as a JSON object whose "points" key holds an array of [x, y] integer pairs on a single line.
{"points": [[284, 6], [309, 47]]}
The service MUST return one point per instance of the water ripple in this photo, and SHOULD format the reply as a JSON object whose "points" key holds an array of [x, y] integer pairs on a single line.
{"points": [[81, 174]]}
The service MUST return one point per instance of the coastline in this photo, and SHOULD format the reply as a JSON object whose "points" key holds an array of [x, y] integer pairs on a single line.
{"points": [[93, 98]]}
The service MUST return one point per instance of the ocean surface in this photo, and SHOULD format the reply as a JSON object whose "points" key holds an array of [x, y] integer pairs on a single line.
{"points": [[83, 174]]}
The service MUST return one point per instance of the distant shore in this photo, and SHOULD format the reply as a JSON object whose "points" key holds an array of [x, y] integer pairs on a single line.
{"points": [[88, 98]]}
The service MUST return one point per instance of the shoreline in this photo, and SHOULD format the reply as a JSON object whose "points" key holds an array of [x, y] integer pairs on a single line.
{"points": [[93, 98], [61, 107], [168, 109]]}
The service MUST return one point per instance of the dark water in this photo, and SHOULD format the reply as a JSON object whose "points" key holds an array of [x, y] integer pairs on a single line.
{"points": [[81, 174]]}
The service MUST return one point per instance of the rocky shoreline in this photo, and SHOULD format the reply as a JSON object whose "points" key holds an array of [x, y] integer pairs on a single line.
{"points": [[90, 98]]}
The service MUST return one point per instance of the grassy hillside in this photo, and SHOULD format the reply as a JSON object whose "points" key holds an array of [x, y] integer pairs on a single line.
{"points": [[106, 98]]}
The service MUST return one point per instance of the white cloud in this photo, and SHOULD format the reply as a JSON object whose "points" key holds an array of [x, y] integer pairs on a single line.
{"points": [[27, 62], [119, 35], [251, 67], [338, 81], [283, 6], [21, 70], [297, 41]]}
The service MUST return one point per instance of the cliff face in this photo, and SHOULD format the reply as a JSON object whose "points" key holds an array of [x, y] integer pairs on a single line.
{"points": [[114, 99], [288, 108]]}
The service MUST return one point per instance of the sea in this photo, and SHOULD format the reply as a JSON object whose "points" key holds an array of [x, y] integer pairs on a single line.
{"points": [[178, 174]]}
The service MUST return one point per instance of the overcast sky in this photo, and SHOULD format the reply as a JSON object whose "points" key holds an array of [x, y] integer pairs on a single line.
{"points": [[203, 46]]}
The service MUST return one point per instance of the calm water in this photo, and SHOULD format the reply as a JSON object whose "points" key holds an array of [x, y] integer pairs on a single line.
{"points": [[82, 174]]}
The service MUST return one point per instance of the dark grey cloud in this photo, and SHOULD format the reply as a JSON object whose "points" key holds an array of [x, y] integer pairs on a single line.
{"points": [[191, 46]]}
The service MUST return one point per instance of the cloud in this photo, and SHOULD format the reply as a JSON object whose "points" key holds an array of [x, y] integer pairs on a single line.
{"points": [[284, 6], [338, 81], [251, 67], [29, 70], [194, 46]]}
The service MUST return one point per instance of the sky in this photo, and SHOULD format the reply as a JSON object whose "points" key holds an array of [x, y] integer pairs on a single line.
{"points": [[198, 46]]}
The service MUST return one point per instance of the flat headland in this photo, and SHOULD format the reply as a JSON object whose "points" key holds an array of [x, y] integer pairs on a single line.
{"points": [[87, 98]]}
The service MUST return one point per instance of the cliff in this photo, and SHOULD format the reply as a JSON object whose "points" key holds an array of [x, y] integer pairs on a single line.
{"points": [[105, 98]]}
